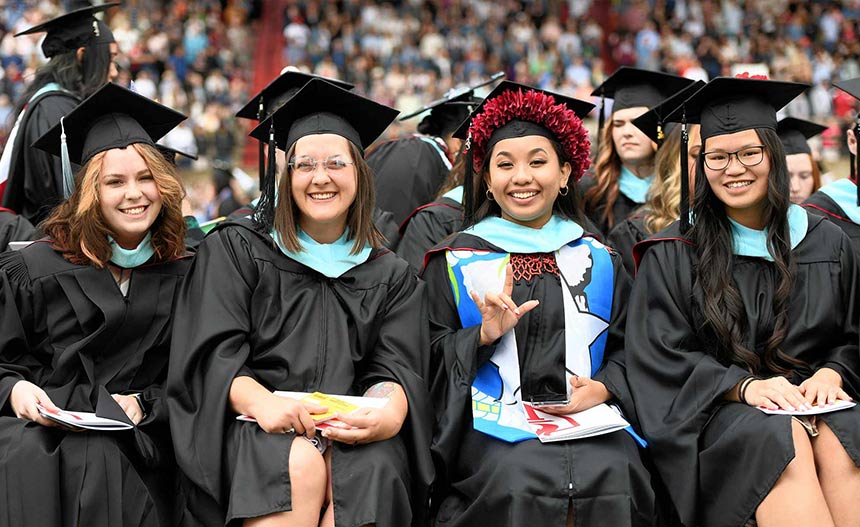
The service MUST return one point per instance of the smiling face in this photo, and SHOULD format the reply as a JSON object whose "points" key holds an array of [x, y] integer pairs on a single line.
{"points": [[324, 195], [742, 189], [129, 199], [802, 181], [525, 177], [633, 147]]}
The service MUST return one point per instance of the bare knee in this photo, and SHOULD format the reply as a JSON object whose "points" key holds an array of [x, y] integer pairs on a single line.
{"points": [[308, 474]]}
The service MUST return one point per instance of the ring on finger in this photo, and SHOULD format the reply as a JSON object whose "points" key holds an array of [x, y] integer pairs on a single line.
{"points": [[289, 430]]}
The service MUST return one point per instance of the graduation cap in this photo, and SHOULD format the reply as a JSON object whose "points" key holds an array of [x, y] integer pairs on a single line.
{"points": [[449, 111], [794, 132], [279, 91], [727, 105], [653, 123], [171, 153], [852, 88], [633, 87], [73, 30], [273, 96], [112, 117], [517, 110], [319, 107]]}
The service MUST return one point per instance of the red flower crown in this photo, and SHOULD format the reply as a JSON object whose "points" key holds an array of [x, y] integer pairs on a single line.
{"points": [[536, 107]]}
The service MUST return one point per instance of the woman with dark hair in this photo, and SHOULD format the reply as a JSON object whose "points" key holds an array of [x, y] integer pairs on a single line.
{"points": [[303, 297], [527, 310], [752, 310], [85, 323], [81, 50]]}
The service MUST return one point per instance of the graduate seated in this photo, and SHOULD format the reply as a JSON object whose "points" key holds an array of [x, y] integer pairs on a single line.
{"points": [[751, 309], [85, 325], [839, 201], [302, 297], [527, 312]]}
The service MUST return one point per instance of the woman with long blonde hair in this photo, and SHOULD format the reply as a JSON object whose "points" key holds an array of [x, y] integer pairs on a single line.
{"points": [[85, 325], [664, 197], [624, 168]]}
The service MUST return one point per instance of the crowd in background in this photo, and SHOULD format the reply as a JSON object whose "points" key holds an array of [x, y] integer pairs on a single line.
{"points": [[198, 56]]}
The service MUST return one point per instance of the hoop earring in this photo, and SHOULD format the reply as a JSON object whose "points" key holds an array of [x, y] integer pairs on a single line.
{"points": [[565, 188], [489, 195]]}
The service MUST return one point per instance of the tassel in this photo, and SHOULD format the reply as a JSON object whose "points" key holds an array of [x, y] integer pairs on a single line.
{"points": [[68, 177], [468, 185], [855, 159], [660, 134], [685, 177], [601, 119], [261, 162], [265, 213]]}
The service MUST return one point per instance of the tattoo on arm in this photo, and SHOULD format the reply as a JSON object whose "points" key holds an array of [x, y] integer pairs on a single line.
{"points": [[382, 389]]}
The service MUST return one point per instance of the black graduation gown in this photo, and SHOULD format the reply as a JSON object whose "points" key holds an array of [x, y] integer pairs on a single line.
{"points": [[35, 183], [408, 173], [428, 225], [389, 228], [68, 329], [624, 236], [289, 327], [623, 208], [720, 459], [15, 228], [821, 203], [486, 481]]}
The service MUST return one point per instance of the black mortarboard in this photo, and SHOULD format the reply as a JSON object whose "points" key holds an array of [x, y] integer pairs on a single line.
{"points": [[112, 117], [733, 104], [319, 107], [510, 128], [633, 87], [73, 30], [653, 123], [171, 153], [852, 88], [275, 94], [580, 108], [794, 132], [279, 91], [449, 111], [727, 105], [323, 108]]}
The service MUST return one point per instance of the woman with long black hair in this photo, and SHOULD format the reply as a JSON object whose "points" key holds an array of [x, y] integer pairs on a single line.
{"points": [[81, 49], [753, 308], [526, 310]]}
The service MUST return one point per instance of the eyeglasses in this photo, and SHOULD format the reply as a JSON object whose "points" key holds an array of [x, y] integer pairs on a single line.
{"points": [[307, 164], [748, 157]]}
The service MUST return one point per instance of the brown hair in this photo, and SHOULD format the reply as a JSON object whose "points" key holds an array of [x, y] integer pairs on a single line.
{"points": [[816, 174], [607, 169], [359, 219], [80, 231]]}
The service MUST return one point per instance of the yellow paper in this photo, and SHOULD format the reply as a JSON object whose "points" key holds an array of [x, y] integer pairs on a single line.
{"points": [[332, 402]]}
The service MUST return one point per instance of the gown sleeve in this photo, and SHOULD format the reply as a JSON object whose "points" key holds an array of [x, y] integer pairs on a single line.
{"points": [[456, 355], [16, 363], [386, 224], [419, 237], [401, 355], [613, 373], [675, 383], [845, 359], [209, 348]]}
